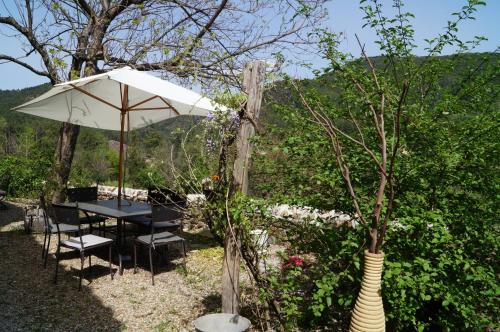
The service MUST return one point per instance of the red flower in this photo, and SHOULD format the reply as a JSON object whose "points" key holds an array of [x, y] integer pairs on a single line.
{"points": [[294, 261]]}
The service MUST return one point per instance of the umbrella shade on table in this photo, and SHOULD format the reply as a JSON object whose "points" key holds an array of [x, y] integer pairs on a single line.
{"points": [[121, 99]]}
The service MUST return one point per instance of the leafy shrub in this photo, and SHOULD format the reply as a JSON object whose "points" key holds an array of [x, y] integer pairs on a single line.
{"points": [[435, 277], [23, 176], [441, 249]]}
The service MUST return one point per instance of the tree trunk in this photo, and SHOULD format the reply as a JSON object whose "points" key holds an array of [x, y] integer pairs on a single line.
{"points": [[63, 159], [68, 137], [253, 78]]}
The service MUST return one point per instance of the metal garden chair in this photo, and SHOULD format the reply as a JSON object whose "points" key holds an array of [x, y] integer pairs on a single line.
{"points": [[50, 228], [167, 208], [167, 216], [165, 196], [84, 244], [3, 193], [163, 218], [87, 194]]}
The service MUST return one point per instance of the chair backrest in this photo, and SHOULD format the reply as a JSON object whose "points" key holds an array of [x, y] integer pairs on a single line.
{"points": [[166, 212], [165, 196], [65, 214], [43, 212], [162, 214], [85, 194]]}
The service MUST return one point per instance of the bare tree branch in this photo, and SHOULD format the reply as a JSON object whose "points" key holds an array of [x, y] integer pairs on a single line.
{"points": [[86, 8], [332, 133], [26, 32], [25, 65]]}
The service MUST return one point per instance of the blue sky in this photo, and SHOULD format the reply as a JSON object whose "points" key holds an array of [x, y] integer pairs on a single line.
{"points": [[344, 16]]}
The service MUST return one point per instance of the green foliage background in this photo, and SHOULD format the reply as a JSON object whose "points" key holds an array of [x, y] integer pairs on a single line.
{"points": [[441, 250]]}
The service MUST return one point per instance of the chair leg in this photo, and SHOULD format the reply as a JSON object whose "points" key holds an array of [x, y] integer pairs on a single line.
{"points": [[135, 257], [58, 251], [90, 265], [184, 250], [82, 261], [120, 264], [47, 251], [110, 263], [44, 243], [151, 266]]}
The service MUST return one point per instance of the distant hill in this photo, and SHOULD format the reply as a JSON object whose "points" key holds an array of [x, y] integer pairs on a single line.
{"points": [[169, 128]]}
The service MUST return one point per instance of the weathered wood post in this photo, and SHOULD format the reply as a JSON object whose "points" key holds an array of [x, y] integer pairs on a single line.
{"points": [[253, 86]]}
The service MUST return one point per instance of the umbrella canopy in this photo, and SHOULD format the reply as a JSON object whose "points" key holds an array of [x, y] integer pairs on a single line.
{"points": [[97, 101], [121, 99]]}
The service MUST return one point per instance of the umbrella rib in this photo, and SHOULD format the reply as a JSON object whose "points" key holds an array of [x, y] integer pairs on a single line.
{"points": [[169, 105], [142, 102], [121, 94], [93, 96], [149, 108]]}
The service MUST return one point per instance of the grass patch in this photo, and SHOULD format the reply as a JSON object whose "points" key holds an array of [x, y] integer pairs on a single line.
{"points": [[214, 253], [163, 326]]}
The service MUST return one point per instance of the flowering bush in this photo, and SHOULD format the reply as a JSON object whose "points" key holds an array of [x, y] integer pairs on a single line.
{"points": [[292, 262], [220, 126], [287, 287]]}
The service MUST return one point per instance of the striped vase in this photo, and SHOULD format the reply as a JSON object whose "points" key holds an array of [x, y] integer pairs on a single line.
{"points": [[368, 313]]}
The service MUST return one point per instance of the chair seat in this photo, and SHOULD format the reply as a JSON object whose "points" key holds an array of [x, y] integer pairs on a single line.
{"points": [[146, 222], [89, 241], [64, 228], [159, 238]]}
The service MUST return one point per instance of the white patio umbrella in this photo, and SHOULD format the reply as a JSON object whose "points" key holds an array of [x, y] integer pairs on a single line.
{"points": [[121, 99]]}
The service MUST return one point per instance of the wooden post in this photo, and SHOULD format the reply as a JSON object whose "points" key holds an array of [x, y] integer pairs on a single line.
{"points": [[253, 85]]}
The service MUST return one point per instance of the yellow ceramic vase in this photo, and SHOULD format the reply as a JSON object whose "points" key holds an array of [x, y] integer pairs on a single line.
{"points": [[368, 313]]}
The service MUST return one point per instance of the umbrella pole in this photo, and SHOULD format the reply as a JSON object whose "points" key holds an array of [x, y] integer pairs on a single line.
{"points": [[120, 160], [123, 113]]}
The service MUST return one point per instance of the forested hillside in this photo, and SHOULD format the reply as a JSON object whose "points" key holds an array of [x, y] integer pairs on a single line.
{"points": [[31, 140]]}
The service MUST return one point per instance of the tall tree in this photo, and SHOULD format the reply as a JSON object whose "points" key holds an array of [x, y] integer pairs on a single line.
{"points": [[196, 41]]}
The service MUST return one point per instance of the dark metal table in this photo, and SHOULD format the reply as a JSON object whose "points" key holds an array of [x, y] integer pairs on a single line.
{"points": [[110, 208]]}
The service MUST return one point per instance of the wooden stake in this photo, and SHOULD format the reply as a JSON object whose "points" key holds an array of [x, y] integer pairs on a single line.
{"points": [[253, 85]]}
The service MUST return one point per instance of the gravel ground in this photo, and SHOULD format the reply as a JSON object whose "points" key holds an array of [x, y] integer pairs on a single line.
{"points": [[30, 301]]}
